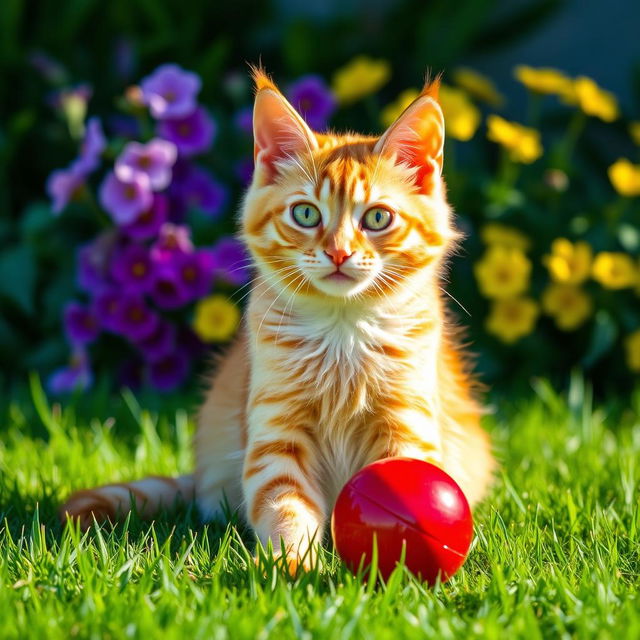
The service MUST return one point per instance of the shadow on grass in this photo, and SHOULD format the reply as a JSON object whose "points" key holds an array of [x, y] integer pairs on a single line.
{"points": [[170, 528]]}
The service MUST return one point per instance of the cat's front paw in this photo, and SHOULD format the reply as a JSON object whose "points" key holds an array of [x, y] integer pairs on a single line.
{"points": [[291, 559]]}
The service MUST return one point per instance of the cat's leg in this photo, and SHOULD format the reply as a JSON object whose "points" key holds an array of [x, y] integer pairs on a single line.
{"points": [[461, 448], [284, 501], [415, 431]]}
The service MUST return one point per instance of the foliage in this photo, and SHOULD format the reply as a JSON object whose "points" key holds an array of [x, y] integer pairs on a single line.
{"points": [[549, 205], [555, 551]]}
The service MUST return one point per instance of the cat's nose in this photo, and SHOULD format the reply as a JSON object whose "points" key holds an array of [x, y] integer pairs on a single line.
{"points": [[338, 255]]}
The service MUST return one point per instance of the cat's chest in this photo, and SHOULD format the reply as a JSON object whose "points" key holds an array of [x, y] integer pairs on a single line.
{"points": [[336, 350]]}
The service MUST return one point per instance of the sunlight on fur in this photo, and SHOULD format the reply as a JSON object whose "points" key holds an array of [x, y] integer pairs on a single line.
{"points": [[346, 354]]}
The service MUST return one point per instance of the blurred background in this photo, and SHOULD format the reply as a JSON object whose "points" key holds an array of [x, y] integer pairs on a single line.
{"points": [[541, 168]]}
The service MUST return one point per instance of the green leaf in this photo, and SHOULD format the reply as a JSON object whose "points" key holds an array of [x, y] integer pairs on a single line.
{"points": [[57, 293], [18, 277], [47, 355], [36, 219], [604, 334]]}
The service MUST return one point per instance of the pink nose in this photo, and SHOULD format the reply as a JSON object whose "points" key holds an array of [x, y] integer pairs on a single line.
{"points": [[338, 255]]}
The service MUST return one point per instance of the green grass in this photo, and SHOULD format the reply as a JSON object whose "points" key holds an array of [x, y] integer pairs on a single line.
{"points": [[556, 552]]}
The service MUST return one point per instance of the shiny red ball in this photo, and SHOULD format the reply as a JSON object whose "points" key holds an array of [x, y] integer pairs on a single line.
{"points": [[403, 500]]}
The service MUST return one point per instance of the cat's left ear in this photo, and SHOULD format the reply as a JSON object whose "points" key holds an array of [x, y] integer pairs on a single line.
{"points": [[279, 133], [416, 138]]}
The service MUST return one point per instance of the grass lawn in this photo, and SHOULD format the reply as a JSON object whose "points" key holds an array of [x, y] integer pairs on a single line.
{"points": [[556, 551]]}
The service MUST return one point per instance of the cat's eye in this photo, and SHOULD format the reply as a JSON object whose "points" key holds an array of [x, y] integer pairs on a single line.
{"points": [[376, 219], [306, 214]]}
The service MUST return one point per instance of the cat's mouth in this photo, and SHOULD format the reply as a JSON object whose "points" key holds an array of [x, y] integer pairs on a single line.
{"points": [[337, 276]]}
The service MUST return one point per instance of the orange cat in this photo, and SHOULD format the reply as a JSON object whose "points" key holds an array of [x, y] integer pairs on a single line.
{"points": [[346, 355]]}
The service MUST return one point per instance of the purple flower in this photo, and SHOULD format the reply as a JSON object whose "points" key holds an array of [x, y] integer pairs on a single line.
{"points": [[133, 269], [244, 171], [91, 149], [134, 318], [231, 261], [148, 223], [126, 199], [169, 372], [168, 291], [154, 159], [93, 261], [314, 101], [199, 189], [170, 91], [172, 239], [160, 343], [107, 305], [81, 324], [191, 134], [243, 120], [76, 376], [63, 185], [195, 273]]}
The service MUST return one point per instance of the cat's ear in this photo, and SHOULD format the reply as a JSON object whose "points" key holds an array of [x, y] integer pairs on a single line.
{"points": [[416, 138], [278, 130]]}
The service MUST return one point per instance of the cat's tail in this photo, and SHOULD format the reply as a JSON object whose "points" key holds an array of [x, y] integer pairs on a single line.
{"points": [[113, 501]]}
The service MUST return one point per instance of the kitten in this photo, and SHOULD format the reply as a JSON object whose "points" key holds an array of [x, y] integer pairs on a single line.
{"points": [[346, 355]]}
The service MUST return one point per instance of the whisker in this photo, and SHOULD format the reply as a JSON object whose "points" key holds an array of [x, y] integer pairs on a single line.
{"points": [[291, 298], [455, 300], [267, 311], [251, 281], [269, 278]]}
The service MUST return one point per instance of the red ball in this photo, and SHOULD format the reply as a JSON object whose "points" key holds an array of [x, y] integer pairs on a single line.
{"points": [[402, 500]]}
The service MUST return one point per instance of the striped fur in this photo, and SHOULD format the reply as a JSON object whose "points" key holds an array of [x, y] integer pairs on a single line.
{"points": [[331, 372]]}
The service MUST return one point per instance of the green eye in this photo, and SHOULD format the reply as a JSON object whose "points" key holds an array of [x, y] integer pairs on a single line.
{"points": [[376, 219], [306, 214]]}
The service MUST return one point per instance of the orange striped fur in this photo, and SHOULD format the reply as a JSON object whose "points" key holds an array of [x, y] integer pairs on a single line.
{"points": [[346, 354]]}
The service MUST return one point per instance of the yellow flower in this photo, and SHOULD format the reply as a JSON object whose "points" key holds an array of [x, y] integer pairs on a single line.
{"points": [[461, 116], [522, 142], [594, 100], [569, 263], [502, 272], [495, 233], [359, 78], [478, 86], [625, 177], [634, 132], [512, 319], [392, 111], [570, 306], [632, 345], [544, 80], [216, 319], [614, 270]]}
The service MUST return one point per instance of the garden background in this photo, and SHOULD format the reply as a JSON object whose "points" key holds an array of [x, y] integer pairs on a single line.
{"points": [[548, 277], [120, 178]]}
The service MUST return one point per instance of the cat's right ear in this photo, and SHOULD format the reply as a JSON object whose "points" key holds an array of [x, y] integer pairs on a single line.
{"points": [[416, 138], [279, 132]]}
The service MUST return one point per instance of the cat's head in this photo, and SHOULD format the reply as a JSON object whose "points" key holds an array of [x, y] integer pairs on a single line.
{"points": [[345, 215]]}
